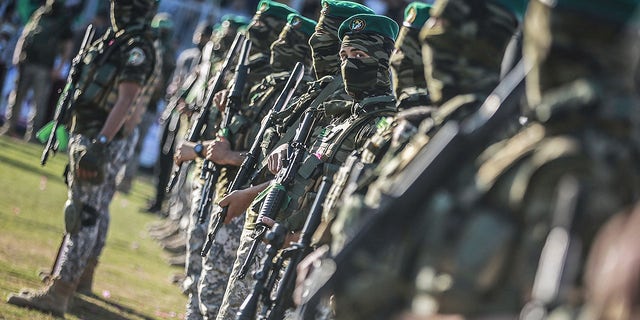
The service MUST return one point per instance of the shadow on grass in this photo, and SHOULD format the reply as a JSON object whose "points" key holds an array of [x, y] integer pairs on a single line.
{"points": [[91, 307], [26, 166]]}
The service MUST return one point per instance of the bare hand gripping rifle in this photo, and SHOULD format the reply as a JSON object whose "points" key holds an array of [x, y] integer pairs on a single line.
{"points": [[203, 116], [248, 166], [274, 309], [211, 171], [428, 171], [63, 106], [283, 180]]}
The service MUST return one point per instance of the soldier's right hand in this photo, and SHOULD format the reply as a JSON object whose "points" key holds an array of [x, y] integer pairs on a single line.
{"points": [[220, 99], [304, 270], [184, 152], [237, 202], [276, 158], [183, 108], [90, 164]]}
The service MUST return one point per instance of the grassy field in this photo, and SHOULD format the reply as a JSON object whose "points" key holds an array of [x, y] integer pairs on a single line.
{"points": [[132, 279]]}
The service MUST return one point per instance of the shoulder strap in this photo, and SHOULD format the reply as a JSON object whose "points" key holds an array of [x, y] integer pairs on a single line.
{"points": [[354, 126], [322, 96]]}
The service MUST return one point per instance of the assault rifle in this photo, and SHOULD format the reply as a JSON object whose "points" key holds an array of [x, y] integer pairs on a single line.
{"points": [[63, 106], [283, 180], [427, 172], [203, 116], [295, 253], [276, 237], [210, 171], [249, 164]]}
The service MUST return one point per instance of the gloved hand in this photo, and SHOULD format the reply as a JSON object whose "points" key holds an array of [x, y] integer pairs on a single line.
{"points": [[90, 165]]}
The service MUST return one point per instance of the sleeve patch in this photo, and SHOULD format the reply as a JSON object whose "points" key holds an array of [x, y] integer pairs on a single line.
{"points": [[136, 57]]}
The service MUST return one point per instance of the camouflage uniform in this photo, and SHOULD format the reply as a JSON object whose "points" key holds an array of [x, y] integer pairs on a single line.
{"points": [[324, 46], [410, 91], [475, 244], [126, 56], [125, 63], [242, 131]]}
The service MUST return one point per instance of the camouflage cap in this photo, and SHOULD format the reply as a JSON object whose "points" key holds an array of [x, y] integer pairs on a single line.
{"points": [[300, 23], [343, 9], [369, 23], [274, 9], [416, 14]]}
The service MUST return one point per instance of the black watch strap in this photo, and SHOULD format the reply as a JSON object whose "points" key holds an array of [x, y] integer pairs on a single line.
{"points": [[199, 150]]}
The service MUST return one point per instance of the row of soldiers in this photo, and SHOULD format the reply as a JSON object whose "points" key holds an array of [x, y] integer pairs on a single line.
{"points": [[364, 170]]}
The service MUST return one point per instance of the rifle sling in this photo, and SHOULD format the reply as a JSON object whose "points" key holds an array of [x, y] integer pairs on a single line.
{"points": [[322, 96]]}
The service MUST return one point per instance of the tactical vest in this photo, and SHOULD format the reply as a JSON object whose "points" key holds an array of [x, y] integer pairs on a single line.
{"points": [[100, 70], [331, 149]]}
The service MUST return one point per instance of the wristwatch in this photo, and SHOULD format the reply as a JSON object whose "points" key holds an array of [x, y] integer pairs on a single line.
{"points": [[198, 149], [102, 139]]}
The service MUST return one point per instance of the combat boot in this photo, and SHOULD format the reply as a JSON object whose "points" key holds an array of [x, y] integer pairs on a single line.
{"points": [[85, 284], [53, 298]]}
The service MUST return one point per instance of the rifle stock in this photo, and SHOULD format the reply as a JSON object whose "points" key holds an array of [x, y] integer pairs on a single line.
{"points": [[249, 163], [195, 131], [429, 170], [68, 94]]}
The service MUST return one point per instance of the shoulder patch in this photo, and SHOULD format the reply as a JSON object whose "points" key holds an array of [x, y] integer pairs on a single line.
{"points": [[136, 57]]}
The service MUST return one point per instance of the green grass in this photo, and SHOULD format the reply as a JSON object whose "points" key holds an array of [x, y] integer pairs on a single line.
{"points": [[132, 279]]}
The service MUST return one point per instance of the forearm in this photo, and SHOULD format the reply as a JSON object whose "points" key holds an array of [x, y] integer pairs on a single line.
{"points": [[121, 110]]}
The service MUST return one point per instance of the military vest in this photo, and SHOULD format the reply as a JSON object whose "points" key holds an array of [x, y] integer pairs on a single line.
{"points": [[123, 57]]}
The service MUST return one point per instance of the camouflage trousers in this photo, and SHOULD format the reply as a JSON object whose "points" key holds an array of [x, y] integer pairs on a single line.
{"points": [[217, 266], [90, 240], [239, 289], [196, 233]]}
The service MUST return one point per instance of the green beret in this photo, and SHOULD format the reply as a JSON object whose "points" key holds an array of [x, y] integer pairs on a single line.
{"points": [[369, 23], [304, 24], [235, 19], [416, 14], [343, 9], [274, 9]]}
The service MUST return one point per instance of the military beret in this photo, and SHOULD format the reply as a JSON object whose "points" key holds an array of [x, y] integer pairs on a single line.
{"points": [[304, 24], [416, 14], [369, 23], [274, 9], [343, 9], [235, 19]]}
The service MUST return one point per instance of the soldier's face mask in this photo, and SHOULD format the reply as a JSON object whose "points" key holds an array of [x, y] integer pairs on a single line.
{"points": [[406, 62], [128, 13], [324, 51], [463, 46], [261, 32], [366, 76], [359, 75], [290, 48]]}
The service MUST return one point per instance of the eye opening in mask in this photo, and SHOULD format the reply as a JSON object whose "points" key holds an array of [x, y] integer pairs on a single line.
{"points": [[350, 52]]}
